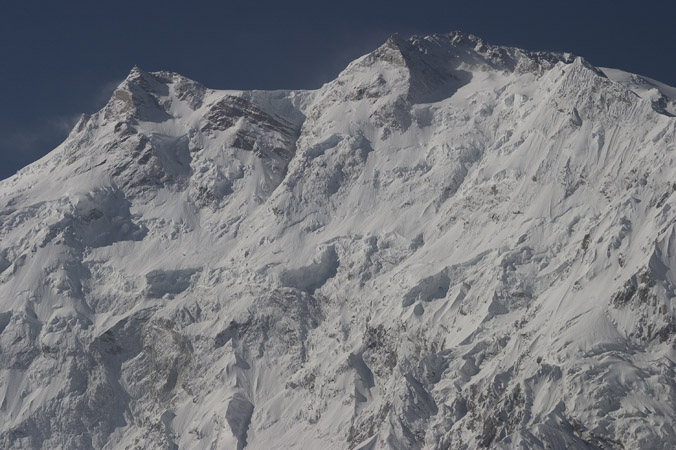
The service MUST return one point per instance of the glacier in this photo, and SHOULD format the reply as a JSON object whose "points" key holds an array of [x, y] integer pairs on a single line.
{"points": [[452, 245]]}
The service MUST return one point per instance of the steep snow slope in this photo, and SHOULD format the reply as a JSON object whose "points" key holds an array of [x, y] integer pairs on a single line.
{"points": [[451, 245]]}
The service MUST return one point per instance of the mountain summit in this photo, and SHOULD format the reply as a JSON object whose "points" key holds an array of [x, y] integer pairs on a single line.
{"points": [[452, 245]]}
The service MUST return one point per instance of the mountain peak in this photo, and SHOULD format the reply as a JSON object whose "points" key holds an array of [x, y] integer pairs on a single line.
{"points": [[137, 96], [138, 78], [433, 67], [135, 72], [453, 244]]}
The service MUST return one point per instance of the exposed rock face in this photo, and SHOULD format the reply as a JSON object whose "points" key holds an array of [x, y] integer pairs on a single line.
{"points": [[451, 245]]}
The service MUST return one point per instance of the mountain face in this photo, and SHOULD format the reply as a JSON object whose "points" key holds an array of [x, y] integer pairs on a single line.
{"points": [[452, 245]]}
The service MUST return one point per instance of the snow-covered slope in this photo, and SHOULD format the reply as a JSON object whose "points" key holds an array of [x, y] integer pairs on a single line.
{"points": [[662, 96], [451, 245]]}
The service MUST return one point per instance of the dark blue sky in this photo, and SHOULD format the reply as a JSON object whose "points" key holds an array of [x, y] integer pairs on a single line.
{"points": [[60, 59]]}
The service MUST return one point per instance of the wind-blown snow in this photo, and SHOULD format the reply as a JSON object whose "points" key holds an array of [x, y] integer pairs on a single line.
{"points": [[451, 245]]}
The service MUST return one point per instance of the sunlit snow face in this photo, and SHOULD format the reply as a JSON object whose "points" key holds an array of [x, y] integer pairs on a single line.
{"points": [[452, 244]]}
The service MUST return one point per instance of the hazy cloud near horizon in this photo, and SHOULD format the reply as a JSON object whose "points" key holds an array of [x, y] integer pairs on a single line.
{"points": [[22, 145]]}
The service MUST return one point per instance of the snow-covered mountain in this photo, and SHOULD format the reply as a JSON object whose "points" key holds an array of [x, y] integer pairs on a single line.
{"points": [[451, 245]]}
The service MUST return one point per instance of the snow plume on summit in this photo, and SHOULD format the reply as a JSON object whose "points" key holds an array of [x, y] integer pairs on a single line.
{"points": [[452, 245]]}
